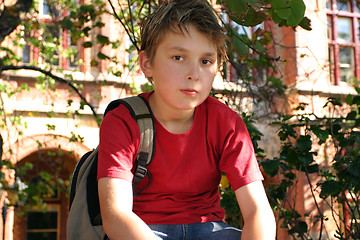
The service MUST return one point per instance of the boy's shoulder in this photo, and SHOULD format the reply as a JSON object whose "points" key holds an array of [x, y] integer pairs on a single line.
{"points": [[218, 112], [214, 104]]}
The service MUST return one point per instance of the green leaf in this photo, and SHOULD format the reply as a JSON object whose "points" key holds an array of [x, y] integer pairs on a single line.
{"points": [[94, 63], [306, 159], [356, 100], [351, 115], [67, 23], [99, 24], [292, 157], [275, 17], [103, 40], [357, 89], [238, 7], [330, 187], [354, 169], [82, 105], [304, 143], [86, 31], [25, 86], [297, 12], [349, 99], [305, 23], [253, 2], [36, 42], [239, 45], [102, 56], [89, 8], [281, 8], [46, 176], [87, 44], [313, 168], [320, 133], [301, 227], [253, 18], [50, 127], [270, 166]]}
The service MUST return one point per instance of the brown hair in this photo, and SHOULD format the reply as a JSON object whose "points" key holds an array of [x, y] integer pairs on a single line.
{"points": [[174, 16]]}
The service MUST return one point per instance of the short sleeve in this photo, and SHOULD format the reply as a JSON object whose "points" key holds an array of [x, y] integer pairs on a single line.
{"points": [[119, 141], [238, 160]]}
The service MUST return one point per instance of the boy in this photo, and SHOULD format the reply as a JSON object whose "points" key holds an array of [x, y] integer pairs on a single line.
{"points": [[197, 138]]}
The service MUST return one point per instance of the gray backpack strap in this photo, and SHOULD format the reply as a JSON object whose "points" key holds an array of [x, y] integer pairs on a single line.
{"points": [[141, 112], [84, 221]]}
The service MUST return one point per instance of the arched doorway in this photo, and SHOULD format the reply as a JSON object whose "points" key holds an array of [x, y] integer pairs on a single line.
{"points": [[50, 168], [50, 161]]}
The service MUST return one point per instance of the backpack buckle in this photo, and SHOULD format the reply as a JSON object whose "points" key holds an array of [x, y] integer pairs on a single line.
{"points": [[140, 172]]}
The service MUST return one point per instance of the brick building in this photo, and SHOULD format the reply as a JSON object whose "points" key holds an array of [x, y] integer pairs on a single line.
{"points": [[319, 63]]}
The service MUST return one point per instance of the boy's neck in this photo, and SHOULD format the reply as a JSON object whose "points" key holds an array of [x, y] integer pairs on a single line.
{"points": [[176, 122]]}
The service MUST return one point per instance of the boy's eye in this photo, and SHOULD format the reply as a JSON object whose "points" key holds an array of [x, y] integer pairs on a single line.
{"points": [[206, 61], [178, 58]]}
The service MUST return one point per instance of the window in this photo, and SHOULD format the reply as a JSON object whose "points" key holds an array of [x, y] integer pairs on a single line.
{"points": [[72, 51], [56, 46], [45, 8], [343, 21], [26, 54], [26, 51], [43, 225]]}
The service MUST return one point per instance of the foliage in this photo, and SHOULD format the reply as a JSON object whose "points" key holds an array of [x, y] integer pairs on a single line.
{"points": [[229, 203], [337, 185], [255, 72]]}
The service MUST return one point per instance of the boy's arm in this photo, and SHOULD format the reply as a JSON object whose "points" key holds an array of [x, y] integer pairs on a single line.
{"points": [[119, 221], [259, 221]]}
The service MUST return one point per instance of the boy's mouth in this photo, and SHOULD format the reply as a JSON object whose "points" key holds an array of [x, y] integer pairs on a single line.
{"points": [[189, 92]]}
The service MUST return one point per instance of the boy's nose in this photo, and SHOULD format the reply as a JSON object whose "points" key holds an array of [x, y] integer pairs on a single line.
{"points": [[193, 72]]}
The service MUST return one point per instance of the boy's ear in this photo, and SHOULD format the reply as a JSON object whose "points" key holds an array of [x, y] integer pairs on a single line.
{"points": [[145, 65]]}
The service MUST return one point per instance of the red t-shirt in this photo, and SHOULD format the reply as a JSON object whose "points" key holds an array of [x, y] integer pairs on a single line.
{"points": [[186, 168]]}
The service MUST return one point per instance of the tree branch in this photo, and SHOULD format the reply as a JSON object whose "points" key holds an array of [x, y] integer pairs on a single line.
{"points": [[131, 36], [56, 78]]}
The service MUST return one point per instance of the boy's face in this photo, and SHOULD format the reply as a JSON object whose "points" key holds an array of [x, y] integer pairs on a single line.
{"points": [[183, 69]]}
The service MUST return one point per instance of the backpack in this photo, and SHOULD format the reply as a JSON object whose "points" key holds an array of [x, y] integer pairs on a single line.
{"points": [[84, 220]]}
